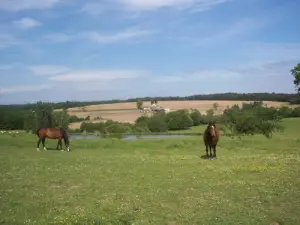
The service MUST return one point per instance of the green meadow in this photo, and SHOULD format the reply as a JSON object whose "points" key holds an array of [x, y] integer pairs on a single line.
{"points": [[254, 180]]}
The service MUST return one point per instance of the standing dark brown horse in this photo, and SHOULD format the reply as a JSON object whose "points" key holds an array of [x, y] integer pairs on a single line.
{"points": [[53, 133], [211, 137]]}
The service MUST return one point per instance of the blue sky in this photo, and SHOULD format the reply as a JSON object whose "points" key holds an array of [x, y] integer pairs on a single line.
{"points": [[57, 50]]}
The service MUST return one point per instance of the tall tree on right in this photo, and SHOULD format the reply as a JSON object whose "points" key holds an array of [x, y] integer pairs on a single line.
{"points": [[296, 74]]}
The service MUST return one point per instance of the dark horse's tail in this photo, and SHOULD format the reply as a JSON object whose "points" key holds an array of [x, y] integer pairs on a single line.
{"points": [[65, 136]]}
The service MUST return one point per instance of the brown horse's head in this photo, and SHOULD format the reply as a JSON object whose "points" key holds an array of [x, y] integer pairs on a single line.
{"points": [[211, 128]]}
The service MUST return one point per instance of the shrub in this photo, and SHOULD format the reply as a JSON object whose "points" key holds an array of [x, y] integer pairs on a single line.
{"points": [[109, 127], [284, 112], [178, 120], [196, 117], [157, 123], [251, 119], [296, 112], [73, 119]]}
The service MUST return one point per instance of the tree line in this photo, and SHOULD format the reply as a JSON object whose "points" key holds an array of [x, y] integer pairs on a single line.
{"points": [[42, 115], [230, 96], [250, 118]]}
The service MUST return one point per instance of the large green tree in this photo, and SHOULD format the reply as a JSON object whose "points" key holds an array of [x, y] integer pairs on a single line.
{"points": [[296, 74], [44, 116]]}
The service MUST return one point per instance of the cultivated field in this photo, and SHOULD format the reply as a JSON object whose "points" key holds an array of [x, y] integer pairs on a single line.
{"points": [[127, 112], [161, 181]]}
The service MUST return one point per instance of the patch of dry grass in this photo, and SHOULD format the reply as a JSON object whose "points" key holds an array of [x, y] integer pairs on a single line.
{"points": [[198, 104]]}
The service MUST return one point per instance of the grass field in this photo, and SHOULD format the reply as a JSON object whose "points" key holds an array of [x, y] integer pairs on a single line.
{"points": [[253, 181], [127, 112]]}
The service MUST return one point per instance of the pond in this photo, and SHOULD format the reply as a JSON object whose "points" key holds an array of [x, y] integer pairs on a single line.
{"points": [[129, 137]]}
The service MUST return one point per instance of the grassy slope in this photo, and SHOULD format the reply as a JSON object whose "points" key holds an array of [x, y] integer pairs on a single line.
{"points": [[253, 181]]}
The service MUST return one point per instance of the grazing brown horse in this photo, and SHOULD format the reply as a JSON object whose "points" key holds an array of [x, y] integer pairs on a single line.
{"points": [[211, 137], [53, 133]]}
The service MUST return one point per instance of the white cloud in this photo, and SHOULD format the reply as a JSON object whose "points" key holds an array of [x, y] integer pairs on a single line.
{"points": [[27, 23], [145, 5], [24, 88], [116, 37], [18, 5], [48, 70], [102, 75]]}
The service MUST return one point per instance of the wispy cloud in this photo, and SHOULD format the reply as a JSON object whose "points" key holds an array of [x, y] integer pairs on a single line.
{"points": [[239, 30], [7, 40], [207, 4], [6, 67], [48, 70], [24, 88], [27, 23], [116, 37], [97, 75], [268, 69], [18, 5], [9, 66], [147, 5], [201, 74], [95, 8], [59, 37], [100, 38]]}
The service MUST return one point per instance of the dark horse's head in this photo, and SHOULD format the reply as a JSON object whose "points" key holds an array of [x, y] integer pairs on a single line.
{"points": [[66, 138], [211, 129]]}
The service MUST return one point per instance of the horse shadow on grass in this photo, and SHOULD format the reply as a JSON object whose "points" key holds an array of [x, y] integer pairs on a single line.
{"points": [[205, 157], [53, 149]]}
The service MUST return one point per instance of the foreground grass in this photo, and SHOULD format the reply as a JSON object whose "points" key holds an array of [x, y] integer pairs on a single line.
{"points": [[253, 181]]}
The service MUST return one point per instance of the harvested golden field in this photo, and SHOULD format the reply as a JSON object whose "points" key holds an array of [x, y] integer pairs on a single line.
{"points": [[127, 112]]}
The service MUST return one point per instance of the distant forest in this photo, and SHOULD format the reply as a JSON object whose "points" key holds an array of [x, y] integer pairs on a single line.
{"points": [[282, 97]]}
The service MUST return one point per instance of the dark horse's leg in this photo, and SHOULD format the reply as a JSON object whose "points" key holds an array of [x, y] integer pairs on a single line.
{"points": [[210, 152]]}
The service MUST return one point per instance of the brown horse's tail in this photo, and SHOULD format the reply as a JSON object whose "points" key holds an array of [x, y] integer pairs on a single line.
{"points": [[37, 132]]}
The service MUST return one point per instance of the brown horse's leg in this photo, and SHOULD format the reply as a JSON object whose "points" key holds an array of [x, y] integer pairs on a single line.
{"points": [[59, 144], [206, 148], [43, 142], [214, 147], [210, 152], [38, 144]]}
